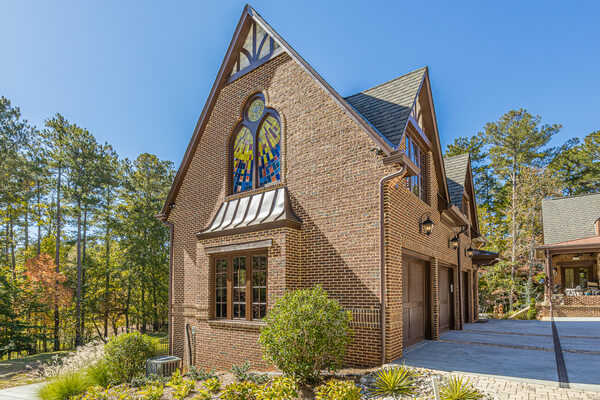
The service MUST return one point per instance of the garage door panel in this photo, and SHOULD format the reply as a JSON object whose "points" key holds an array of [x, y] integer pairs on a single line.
{"points": [[414, 301]]}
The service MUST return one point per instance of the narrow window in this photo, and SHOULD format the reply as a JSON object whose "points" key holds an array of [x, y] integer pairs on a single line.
{"points": [[259, 287], [239, 288], [417, 184], [221, 288]]}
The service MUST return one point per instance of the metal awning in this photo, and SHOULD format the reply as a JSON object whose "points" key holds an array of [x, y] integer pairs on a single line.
{"points": [[260, 211]]}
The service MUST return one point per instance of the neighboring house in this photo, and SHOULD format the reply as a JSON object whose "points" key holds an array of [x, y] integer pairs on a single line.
{"points": [[571, 250], [286, 184]]}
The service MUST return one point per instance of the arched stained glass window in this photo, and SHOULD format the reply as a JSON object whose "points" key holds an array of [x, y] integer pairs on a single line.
{"points": [[268, 151], [258, 138], [243, 155]]}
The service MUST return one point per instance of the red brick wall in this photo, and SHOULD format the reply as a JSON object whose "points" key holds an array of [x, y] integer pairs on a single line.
{"points": [[332, 177]]}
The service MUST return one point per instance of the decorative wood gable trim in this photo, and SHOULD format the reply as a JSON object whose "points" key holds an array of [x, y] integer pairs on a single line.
{"points": [[416, 121], [248, 16]]}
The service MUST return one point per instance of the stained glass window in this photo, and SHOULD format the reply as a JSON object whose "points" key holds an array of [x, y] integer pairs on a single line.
{"points": [[269, 137], [258, 138], [256, 110], [243, 155]]}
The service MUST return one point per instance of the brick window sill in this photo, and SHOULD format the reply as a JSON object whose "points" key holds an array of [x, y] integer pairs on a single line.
{"points": [[229, 323]]}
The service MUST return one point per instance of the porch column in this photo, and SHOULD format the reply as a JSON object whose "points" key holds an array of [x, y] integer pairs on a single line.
{"points": [[550, 276]]}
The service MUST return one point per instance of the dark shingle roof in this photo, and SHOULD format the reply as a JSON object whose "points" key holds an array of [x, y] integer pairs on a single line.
{"points": [[387, 106], [570, 218], [456, 175]]}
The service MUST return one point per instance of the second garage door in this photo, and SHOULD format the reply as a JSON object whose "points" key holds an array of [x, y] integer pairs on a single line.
{"points": [[415, 305], [446, 300]]}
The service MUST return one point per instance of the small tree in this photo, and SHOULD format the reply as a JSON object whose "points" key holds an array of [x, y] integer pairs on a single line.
{"points": [[306, 332]]}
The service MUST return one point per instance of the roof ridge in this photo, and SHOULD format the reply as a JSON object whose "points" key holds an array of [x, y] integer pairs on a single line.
{"points": [[389, 81], [571, 197], [468, 153]]}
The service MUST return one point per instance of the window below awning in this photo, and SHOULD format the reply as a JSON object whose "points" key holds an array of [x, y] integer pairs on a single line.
{"points": [[260, 211]]}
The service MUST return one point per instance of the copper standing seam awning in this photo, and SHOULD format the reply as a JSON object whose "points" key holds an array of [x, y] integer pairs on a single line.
{"points": [[260, 211]]}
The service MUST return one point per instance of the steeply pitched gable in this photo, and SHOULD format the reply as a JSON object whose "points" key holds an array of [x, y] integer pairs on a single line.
{"points": [[456, 175], [570, 218], [388, 106], [230, 64]]}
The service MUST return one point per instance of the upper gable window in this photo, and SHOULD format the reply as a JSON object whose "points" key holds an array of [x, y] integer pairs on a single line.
{"points": [[257, 47], [418, 184], [257, 138]]}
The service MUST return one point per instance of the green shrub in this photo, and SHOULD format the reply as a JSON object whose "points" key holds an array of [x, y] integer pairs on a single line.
{"points": [[395, 381], [532, 312], [241, 371], [213, 385], [182, 388], [240, 391], [306, 332], [203, 394], [200, 374], [142, 380], [455, 388], [176, 378], [127, 354], [338, 390], [99, 373], [282, 388], [65, 385], [151, 392]]}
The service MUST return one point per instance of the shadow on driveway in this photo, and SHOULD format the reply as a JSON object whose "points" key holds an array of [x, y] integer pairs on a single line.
{"points": [[520, 350]]}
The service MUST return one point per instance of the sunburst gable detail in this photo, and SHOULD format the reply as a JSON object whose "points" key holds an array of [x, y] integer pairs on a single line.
{"points": [[257, 47]]}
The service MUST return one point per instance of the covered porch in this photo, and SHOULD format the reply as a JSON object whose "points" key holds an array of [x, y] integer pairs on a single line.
{"points": [[572, 270]]}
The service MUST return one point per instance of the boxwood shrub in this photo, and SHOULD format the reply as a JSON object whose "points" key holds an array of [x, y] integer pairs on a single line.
{"points": [[306, 332]]}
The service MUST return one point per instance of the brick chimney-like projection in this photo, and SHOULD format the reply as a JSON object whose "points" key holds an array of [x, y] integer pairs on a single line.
{"points": [[597, 226]]}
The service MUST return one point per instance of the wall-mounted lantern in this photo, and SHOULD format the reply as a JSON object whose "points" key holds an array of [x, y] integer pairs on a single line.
{"points": [[453, 243], [426, 225], [469, 252]]}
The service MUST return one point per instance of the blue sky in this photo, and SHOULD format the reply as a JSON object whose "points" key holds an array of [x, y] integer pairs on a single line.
{"points": [[137, 73]]}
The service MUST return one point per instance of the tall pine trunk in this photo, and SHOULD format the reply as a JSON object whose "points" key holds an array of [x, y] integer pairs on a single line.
{"points": [[13, 260], [107, 256], [83, 270], [57, 262], [78, 340], [39, 221], [514, 236]]}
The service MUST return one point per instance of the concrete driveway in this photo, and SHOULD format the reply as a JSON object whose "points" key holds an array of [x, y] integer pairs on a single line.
{"points": [[520, 350], [26, 392]]}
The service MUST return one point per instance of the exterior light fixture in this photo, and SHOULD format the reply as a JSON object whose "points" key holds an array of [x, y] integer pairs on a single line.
{"points": [[426, 226], [576, 257], [469, 252], [454, 243]]}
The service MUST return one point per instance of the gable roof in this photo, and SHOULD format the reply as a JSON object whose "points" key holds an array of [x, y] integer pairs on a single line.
{"points": [[249, 15], [570, 218], [387, 106], [456, 174]]}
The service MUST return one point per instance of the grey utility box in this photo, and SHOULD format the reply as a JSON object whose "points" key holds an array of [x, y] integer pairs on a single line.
{"points": [[162, 365]]}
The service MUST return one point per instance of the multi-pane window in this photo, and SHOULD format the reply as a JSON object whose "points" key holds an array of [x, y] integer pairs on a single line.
{"points": [[259, 286], [221, 288], [417, 183], [240, 286], [256, 147]]}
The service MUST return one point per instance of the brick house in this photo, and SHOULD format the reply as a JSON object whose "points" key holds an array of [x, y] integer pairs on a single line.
{"points": [[571, 249], [286, 184]]}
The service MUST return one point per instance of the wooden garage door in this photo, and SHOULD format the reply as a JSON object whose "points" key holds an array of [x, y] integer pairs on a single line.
{"points": [[465, 298], [446, 300], [414, 301]]}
